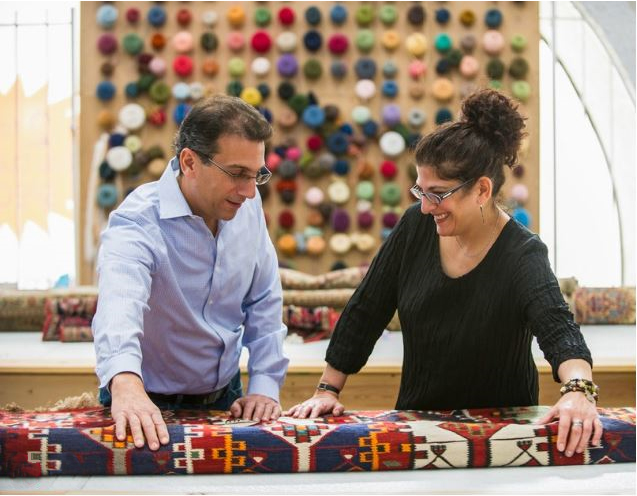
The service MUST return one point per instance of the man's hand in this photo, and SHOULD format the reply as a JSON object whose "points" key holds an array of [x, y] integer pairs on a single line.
{"points": [[256, 407], [132, 406]]}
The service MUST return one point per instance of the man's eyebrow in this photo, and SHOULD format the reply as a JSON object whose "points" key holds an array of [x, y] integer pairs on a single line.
{"points": [[238, 166]]}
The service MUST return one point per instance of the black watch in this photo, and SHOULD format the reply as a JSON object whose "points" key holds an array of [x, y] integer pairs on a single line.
{"points": [[324, 386]]}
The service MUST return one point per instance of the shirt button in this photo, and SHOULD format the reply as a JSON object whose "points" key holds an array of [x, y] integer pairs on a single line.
{"points": [[209, 302]]}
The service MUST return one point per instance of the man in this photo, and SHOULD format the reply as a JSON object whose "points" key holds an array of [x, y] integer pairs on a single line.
{"points": [[187, 276]]}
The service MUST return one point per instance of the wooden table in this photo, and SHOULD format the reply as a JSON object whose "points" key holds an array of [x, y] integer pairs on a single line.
{"points": [[34, 373]]}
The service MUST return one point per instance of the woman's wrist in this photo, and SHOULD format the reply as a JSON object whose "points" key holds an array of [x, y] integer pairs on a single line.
{"points": [[588, 388], [325, 387]]}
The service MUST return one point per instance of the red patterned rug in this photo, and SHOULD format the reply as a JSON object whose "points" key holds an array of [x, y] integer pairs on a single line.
{"points": [[82, 442]]}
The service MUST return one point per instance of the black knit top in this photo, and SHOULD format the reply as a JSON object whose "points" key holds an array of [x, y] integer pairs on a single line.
{"points": [[467, 340]]}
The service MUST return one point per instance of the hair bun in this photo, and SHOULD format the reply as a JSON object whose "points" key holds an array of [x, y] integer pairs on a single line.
{"points": [[495, 117]]}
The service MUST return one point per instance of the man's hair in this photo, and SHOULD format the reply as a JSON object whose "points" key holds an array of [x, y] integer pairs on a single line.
{"points": [[217, 116]]}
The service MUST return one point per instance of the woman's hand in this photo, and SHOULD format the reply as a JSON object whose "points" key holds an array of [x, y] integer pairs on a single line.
{"points": [[578, 423], [319, 404]]}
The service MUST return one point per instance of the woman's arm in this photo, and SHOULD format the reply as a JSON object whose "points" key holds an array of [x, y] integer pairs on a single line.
{"points": [[576, 410]]}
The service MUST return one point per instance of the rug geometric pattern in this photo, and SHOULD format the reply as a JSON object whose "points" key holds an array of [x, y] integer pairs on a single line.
{"points": [[82, 442]]}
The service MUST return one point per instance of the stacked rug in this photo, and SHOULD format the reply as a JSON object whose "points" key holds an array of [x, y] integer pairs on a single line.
{"points": [[82, 442]]}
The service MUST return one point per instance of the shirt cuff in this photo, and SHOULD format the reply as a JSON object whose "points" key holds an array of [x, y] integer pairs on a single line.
{"points": [[116, 365], [265, 385]]}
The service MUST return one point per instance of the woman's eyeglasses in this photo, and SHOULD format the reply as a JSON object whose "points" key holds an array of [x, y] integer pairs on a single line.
{"points": [[434, 198]]}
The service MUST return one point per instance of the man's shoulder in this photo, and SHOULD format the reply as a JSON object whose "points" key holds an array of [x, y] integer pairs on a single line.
{"points": [[141, 205]]}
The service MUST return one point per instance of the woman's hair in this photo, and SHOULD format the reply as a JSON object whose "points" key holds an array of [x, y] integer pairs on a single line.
{"points": [[218, 116], [485, 139]]}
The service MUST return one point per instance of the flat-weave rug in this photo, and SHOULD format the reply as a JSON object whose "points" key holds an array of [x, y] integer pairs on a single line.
{"points": [[82, 442]]}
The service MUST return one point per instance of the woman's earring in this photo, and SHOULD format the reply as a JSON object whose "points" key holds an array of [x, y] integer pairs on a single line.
{"points": [[482, 214]]}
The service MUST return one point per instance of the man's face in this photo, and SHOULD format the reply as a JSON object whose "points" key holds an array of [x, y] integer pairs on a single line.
{"points": [[212, 193]]}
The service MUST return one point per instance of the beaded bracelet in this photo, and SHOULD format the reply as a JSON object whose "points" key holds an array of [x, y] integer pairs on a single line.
{"points": [[589, 388]]}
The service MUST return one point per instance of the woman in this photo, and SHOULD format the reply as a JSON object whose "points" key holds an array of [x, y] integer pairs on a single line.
{"points": [[472, 287]]}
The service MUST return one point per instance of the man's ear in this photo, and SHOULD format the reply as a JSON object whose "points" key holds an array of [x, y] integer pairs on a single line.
{"points": [[187, 161]]}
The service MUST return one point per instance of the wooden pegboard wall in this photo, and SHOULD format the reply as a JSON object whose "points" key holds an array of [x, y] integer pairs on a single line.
{"points": [[519, 18]]}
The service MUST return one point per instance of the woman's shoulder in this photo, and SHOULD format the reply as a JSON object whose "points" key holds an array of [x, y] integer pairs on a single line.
{"points": [[521, 240]]}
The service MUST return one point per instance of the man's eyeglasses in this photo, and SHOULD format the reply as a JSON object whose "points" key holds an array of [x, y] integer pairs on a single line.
{"points": [[433, 197], [262, 177]]}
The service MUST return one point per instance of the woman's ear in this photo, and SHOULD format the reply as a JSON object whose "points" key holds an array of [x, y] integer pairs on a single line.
{"points": [[485, 189]]}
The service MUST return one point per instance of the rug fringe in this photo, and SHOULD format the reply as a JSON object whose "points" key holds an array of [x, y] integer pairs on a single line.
{"points": [[84, 400]]}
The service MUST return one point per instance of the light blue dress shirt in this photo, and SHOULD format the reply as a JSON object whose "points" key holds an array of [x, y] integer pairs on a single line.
{"points": [[176, 304]]}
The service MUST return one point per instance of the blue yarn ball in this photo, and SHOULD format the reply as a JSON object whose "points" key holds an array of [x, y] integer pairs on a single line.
{"points": [[370, 129], [265, 112], [301, 244], [338, 69], [132, 90], [412, 139], [385, 232], [522, 216], [105, 91], [116, 139], [493, 18], [442, 16], [338, 14], [106, 172], [313, 116], [443, 115], [347, 129], [313, 15], [264, 89], [280, 150], [337, 143], [389, 89], [312, 40], [180, 112], [365, 68], [443, 66], [157, 16], [341, 167], [107, 195], [106, 16]]}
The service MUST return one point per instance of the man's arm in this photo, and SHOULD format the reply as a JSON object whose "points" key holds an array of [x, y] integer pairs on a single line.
{"points": [[263, 336], [125, 267]]}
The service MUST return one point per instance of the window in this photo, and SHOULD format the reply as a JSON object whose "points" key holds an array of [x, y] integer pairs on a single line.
{"points": [[587, 154], [37, 88]]}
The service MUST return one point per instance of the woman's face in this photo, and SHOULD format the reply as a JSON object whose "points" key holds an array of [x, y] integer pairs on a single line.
{"points": [[455, 213]]}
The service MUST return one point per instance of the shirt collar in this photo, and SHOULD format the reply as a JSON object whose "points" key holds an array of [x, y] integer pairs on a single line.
{"points": [[171, 200]]}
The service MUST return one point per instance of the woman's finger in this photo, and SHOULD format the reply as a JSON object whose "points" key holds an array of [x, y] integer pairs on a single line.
{"points": [[574, 436], [586, 435], [598, 431], [563, 429]]}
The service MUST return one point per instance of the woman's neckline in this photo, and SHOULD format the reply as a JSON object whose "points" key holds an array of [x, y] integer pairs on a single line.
{"points": [[480, 263]]}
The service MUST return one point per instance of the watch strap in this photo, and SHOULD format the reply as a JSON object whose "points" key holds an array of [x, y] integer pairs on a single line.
{"points": [[324, 386]]}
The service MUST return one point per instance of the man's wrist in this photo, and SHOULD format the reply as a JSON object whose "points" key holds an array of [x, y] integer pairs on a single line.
{"points": [[127, 379]]}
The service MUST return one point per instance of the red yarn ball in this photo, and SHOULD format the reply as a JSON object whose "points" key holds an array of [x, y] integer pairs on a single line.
{"points": [[338, 43], [184, 17], [286, 219], [132, 15], [261, 42], [388, 169], [314, 142], [183, 65], [286, 16]]}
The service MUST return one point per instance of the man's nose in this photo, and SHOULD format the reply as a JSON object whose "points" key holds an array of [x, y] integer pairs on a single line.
{"points": [[247, 189]]}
